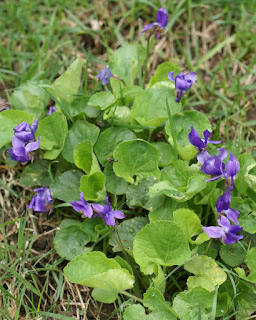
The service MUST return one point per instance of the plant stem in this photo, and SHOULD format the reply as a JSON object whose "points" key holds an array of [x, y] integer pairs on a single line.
{"points": [[131, 296], [144, 68]]}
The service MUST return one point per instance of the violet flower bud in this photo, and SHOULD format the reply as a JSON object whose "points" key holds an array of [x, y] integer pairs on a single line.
{"points": [[223, 206], [51, 110]]}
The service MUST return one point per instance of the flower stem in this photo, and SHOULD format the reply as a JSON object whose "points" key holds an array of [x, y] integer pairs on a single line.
{"points": [[127, 294]]}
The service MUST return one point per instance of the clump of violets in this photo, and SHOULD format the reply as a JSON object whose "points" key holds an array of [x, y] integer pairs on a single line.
{"points": [[42, 201], [214, 166], [23, 142], [105, 75], [159, 25], [182, 82], [104, 211], [51, 110]]}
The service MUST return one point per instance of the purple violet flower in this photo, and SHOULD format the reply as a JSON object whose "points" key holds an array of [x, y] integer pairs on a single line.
{"points": [[82, 206], [215, 167], [183, 82], [223, 206], [107, 212], [23, 142], [161, 22], [195, 139], [42, 201], [51, 110], [105, 75], [226, 232]]}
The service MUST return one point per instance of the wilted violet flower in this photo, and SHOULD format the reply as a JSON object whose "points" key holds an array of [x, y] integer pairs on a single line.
{"points": [[51, 110], [226, 232], [161, 21], [183, 82], [25, 132], [107, 212], [42, 201], [23, 142], [105, 75], [195, 139], [82, 206], [223, 206]]}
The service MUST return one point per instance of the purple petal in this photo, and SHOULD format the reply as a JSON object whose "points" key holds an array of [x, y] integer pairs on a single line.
{"points": [[24, 132], [32, 146], [206, 135], [195, 139], [51, 110], [102, 208], [179, 96], [203, 156], [38, 205], [212, 166], [222, 153], [110, 220], [214, 232], [223, 202], [192, 76], [232, 166], [13, 157], [232, 215], [149, 26], [182, 84], [118, 214], [235, 229], [34, 126], [170, 76], [88, 212], [230, 238], [215, 178], [224, 223], [215, 141], [105, 75], [32, 202], [78, 206], [17, 143], [162, 17]]}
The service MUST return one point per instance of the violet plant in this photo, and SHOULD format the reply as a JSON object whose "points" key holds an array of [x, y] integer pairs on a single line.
{"points": [[127, 159]]}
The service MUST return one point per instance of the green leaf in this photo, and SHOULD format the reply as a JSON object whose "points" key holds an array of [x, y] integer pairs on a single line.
{"points": [[66, 186], [124, 264], [79, 106], [161, 73], [135, 312], [138, 158], [150, 109], [160, 242], [190, 224], [81, 130], [114, 184], [104, 296], [36, 174], [247, 209], [52, 130], [154, 300], [71, 239], [30, 98], [109, 140], [127, 231], [183, 122], [92, 186], [250, 260], [233, 254], [168, 154], [67, 85], [137, 195], [124, 62], [118, 115], [84, 157], [186, 304], [165, 210], [246, 301], [94, 269], [159, 280], [90, 225], [207, 273], [195, 185], [10, 119], [102, 100]]}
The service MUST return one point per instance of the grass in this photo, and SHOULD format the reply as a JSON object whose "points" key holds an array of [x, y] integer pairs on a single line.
{"points": [[39, 39]]}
